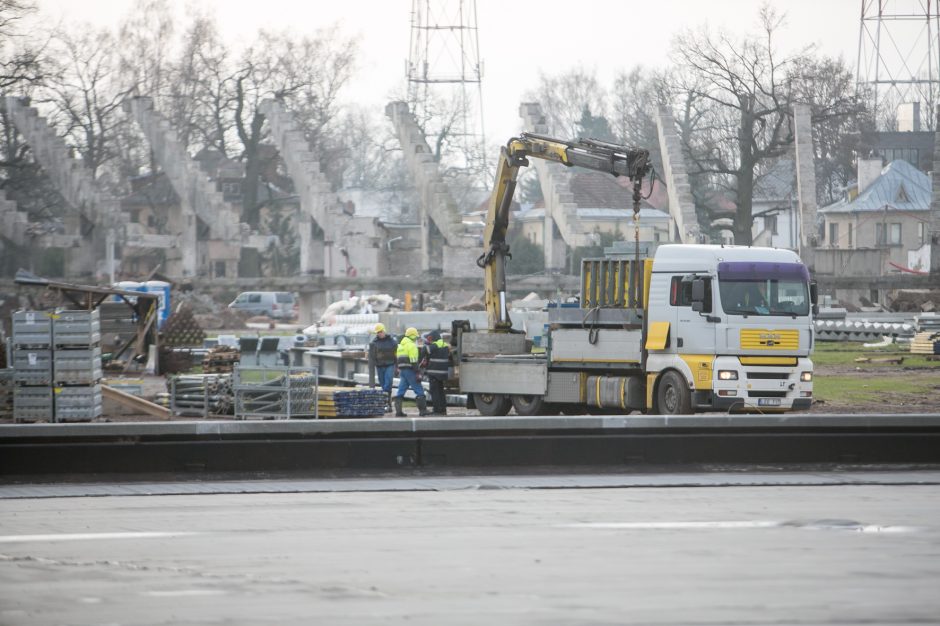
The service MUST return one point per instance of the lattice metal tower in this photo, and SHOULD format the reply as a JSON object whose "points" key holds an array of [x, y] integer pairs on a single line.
{"points": [[899, 60], [444, 75]]}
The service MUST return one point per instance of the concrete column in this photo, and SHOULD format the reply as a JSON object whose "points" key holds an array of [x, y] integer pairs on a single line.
{"points": [[806, 182], [560, 207], [934, 224], [437, 203], [309, 182], [678, 187], [310, 303]]}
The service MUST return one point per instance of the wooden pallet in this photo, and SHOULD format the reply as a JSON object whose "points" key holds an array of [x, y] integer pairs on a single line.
{"points": [[926, 343]]}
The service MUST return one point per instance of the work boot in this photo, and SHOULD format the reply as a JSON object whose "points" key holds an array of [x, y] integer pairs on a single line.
{"points": [[388, 402], [422, 406], [398, 411]]}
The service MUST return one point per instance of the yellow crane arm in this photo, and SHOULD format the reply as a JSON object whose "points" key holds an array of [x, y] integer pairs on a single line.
{"points": [[588, 153]]}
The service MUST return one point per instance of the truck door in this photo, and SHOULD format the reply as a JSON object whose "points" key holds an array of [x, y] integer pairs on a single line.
{"points": [[694, 332]]}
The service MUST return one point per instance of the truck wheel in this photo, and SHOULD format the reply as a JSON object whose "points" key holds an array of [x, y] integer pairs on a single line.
{"points": [[492, 404], [533, 405], [673, 396]]}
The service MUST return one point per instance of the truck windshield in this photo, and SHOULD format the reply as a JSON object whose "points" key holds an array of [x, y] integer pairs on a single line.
{"points": [[758, 288]]}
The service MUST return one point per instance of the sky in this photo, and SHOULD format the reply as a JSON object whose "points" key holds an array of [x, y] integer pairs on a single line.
{"points": [[519, 39]]}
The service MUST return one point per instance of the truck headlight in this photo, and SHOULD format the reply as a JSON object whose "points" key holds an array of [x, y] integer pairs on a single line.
{"points": [[727, 375], [806, 377]]}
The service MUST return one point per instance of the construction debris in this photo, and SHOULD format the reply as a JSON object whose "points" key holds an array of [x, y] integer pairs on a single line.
{"points": [[378, 303], [898, 360]]}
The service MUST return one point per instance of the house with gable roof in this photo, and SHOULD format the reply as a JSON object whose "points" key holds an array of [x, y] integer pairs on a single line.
{"points": [[888, 210]]}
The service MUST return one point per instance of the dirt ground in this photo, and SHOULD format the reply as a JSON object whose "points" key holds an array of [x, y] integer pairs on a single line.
{"points": [[886, 401]]}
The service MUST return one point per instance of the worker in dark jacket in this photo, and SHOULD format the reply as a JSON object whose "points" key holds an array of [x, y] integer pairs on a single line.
{"points": [[407, 357], [382, 360], [438, 370]]}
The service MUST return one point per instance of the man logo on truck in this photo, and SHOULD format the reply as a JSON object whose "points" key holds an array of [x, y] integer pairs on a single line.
{"points": [[770, 339]]}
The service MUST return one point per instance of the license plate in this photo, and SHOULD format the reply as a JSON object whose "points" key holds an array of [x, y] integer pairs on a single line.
{"points": [[768, 402]]}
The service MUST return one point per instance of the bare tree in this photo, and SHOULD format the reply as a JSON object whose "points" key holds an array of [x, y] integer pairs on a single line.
{"points": [[841, 114], [306, 72], [564, 97], [20, 58], [201, 88], [636, 96], [85, 94], [738, 98]]}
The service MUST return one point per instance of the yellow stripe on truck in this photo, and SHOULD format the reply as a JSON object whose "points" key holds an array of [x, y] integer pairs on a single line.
{"points": [[657, 336], [783, 361], [701, 366], [769, 339]]}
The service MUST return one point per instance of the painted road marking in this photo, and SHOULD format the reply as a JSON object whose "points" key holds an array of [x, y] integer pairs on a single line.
{"points": [[92, 536], [840, 525]]}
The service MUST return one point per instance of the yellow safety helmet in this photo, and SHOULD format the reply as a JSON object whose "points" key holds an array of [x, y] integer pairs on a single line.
{"points": [[379, 328], [412, 332]]}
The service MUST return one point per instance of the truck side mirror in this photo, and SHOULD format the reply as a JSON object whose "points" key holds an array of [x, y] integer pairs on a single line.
{"points": [[814, 296]]}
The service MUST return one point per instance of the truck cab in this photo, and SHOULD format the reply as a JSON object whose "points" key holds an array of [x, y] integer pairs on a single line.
{"points": [[729, 329]]}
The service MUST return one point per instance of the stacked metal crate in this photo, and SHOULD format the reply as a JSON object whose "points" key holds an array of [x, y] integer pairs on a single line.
{"points": [[32, 366], [76, 337]]}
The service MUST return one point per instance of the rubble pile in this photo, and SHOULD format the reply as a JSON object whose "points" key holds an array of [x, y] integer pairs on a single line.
{"points": [[916, 301], [358, 305]]}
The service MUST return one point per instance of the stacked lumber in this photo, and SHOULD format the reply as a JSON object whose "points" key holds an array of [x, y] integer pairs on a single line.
{"points": [[926, 343], [350, 402], [220, 360]]}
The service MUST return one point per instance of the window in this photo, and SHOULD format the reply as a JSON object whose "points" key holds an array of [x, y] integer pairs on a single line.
{"points": [[135, 217], [922, 232], [762, 288], [220, 268], [284, 297], [770, 223], [254, 297], [888, 234], [680, 292], [850, 235], [833, 235]]}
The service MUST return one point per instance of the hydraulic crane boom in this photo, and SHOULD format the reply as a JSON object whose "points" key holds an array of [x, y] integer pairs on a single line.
{"points": [[591, 154]]}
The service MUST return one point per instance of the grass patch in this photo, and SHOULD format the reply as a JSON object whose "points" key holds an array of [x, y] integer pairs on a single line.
{"points": [[863, 390], [838, 353]]}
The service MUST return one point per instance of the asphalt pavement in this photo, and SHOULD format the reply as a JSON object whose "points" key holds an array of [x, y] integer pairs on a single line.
{"points": [[718, 548]]}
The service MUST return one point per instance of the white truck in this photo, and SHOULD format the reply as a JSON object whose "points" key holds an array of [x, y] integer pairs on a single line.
{"points": [[694, 328]]}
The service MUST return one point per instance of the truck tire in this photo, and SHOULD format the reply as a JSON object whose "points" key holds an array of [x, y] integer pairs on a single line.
{"points": [[533, 405], [492, 404], [672, 395]]}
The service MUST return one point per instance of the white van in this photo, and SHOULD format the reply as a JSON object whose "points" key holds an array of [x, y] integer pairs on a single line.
{"points": [[279, 305]]}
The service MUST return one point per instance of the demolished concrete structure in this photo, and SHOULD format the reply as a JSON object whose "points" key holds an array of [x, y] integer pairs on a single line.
{"points": [[446, 247], [203, 208], [95, 222], [681, 203], [334, 241]]}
